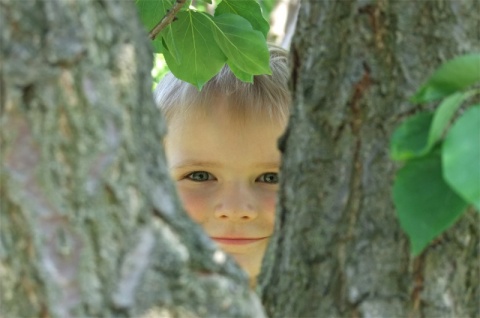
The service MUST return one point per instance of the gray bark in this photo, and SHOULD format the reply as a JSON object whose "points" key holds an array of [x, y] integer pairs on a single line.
{"points": [[90, 225], [338, 249]]}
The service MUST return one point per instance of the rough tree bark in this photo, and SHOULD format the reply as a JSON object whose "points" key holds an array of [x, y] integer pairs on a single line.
{"points": [[90, 224], [339, 251]]}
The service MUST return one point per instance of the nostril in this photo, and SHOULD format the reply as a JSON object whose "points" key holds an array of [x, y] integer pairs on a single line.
{"points": [[234, 209]]}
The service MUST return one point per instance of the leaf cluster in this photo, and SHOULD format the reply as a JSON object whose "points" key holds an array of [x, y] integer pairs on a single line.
{"points": [[440, 177], [197, 44]]}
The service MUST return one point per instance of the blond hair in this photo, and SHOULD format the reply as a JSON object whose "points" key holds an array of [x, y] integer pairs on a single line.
{"points": [[268, 96]]}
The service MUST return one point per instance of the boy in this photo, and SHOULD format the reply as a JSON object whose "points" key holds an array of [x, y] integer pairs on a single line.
{"points": [[222, 154]]}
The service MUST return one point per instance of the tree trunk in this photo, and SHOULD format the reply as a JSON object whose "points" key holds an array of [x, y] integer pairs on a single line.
{"points": [[339, 251], [90, 224]]}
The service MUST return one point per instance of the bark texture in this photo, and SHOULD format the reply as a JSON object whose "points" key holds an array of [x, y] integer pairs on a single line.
{"points": [[339, 251], [90, 224]]}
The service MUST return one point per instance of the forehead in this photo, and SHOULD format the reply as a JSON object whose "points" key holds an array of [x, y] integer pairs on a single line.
{"points": [[218, 136]]}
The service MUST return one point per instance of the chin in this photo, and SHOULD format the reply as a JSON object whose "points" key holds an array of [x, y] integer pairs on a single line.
{"points": [[248, 265]]}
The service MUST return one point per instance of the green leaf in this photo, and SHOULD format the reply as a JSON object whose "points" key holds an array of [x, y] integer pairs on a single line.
{"points": [[248, 9], [152, 11], [426, 206], [461, 156], [169, 43], [267, 7], [158, 46], [245, 48], [200, 58], [410, 139], [453, 76], [241, 75], [443, 115]]}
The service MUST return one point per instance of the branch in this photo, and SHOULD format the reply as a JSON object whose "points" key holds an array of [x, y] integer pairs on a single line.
{"points": [[167, 19]]}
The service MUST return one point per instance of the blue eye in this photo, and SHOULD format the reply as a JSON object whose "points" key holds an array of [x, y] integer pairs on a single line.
{"points": [[269, 177], [200, 176]]}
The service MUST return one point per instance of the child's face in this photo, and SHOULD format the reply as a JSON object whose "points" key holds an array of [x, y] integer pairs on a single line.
{"points": [[226, 174]]}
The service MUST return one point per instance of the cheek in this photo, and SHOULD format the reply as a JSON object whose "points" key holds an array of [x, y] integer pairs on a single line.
{"points": [[195, 203], [268, 201]]}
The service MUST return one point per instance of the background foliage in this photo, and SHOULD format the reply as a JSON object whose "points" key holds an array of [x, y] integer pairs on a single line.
{"points": [[441, 172]]}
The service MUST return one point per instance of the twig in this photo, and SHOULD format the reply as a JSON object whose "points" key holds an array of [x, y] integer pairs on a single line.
{"points": [[167, 19]]}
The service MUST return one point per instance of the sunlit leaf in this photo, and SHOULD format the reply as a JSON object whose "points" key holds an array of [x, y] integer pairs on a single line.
{"points": [[158, 46], [243, 76], [267, 7], [248, 9], [453, 76], [169, 43], [461, 156], [418, 134], [410, 139], [426, 206], [200, 58], [244, 47], [443, 115], [151, 12]]}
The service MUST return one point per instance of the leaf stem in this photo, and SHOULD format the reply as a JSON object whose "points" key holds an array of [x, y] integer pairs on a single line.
{"points": [[167, 19]]}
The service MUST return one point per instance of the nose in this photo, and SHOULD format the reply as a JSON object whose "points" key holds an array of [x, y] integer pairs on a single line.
{"points": [[236, 202]]}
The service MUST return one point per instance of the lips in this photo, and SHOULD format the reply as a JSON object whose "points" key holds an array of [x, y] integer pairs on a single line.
{"points": [[237, 241]]}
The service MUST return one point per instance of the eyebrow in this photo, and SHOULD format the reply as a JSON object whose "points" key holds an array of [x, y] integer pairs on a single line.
{"points": [[195, 163], [211, 164], [267, 165]]}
